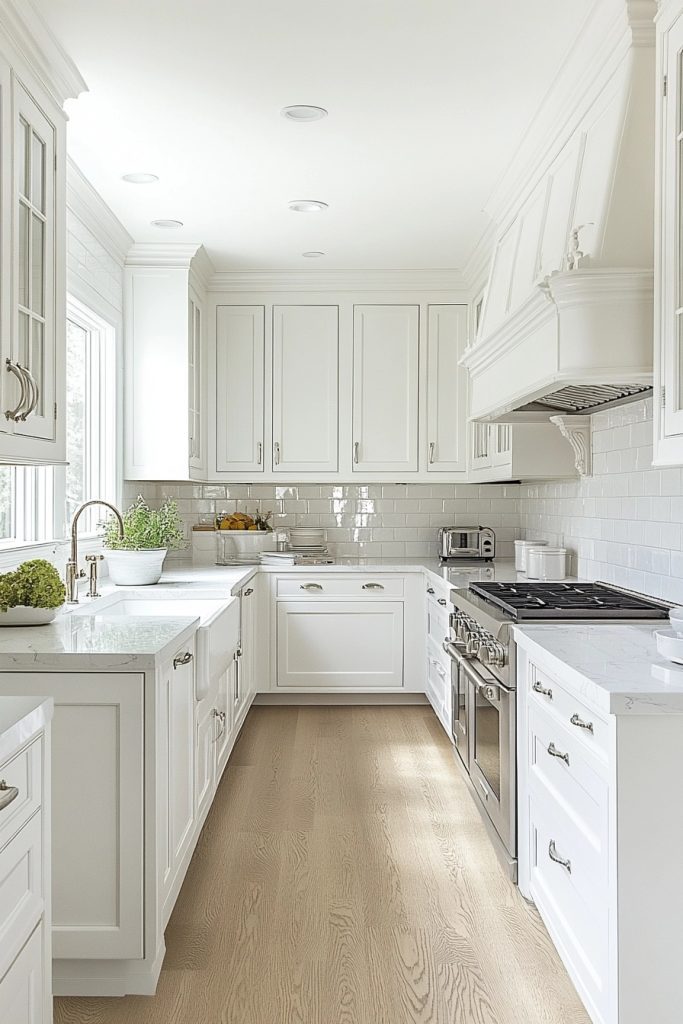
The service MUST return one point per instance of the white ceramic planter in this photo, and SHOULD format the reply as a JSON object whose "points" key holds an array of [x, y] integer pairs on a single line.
{"points": [[135, 568], [22, 615]]}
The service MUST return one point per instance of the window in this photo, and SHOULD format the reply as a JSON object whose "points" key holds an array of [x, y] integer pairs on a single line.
{"points": [[37, 504]]}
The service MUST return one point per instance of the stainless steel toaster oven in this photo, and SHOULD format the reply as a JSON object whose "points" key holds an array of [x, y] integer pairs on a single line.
{"points": [[467, 542]]}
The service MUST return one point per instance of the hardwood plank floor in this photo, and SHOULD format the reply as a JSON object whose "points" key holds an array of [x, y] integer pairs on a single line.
{"points": [[344, 877]]}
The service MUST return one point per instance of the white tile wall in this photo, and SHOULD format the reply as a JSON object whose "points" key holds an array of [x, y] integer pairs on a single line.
{"points": [[624, 523], [382, 520]]}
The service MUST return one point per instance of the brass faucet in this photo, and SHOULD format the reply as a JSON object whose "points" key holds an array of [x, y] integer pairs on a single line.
{"points": [[73, 574]]}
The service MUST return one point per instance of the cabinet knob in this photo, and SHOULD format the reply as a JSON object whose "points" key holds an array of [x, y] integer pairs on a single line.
{"points": [[430, 590], [182, 659], [442, 601], [248, 591]]}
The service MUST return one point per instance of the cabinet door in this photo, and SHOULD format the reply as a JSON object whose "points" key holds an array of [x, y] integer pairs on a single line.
{"points": [[672, 235], [179, 729], [240, 364], [22, 988], [446, 389], [247, 662], [481, 447], [34, 327], [340, 645], [305, 388], [501, 436], [205, 768], [223, 719], [385, 388], [195, 396]]}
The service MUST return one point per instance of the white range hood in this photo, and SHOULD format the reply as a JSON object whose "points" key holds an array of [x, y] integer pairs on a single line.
{"points": [[567, 320]]}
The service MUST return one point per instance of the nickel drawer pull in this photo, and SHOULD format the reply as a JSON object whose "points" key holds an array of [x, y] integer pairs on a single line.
{"points": [[310, 586], [19, 372], [356, 448], [432, 446], [430, 590], [373, 586], [259, 450], [7, 794], [554, 856], [442, 601], [554, 752], [276, 453], [539, 688], [183, 659], [579, 722], [248, 591], [220, 715]]}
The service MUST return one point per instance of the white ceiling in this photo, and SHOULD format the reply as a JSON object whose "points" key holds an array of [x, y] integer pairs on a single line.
{"points": [[427, 100]]}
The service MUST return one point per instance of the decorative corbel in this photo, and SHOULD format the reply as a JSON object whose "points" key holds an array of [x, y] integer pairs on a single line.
{"points": [[577, 430]]}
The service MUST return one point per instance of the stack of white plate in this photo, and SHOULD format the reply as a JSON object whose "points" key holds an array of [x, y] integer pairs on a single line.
{"points": [[305, 538]]}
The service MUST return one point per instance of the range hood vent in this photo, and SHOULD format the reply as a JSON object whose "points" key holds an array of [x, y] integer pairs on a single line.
{"points": [[583, 398]]}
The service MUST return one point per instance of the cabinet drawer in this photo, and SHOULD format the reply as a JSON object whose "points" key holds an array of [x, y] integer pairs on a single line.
{"points": [[590, 729], [24, 988], [21, 889], [438, 688], [322, 586], [22, 772], [437, 622], [572, 900], [565, 773]]}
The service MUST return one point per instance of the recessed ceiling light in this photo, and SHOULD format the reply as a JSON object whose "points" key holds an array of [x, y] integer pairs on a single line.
{"points": [[307, 205], [302, 113], [167, 223], [140, 178], [312, 255]]}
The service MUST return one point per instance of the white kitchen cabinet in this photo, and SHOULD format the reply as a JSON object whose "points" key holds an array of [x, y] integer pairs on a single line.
{"points": [[305, 389], [32, 261], [224, 718], [22, 987], [240, 389], [446, 389], [385, 388], [518, 451], [668, 394], [165, 434], [248, 633], [340, 644]]}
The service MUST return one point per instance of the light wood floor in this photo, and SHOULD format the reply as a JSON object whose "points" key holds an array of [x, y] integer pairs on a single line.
{"points": [[344, 877]]}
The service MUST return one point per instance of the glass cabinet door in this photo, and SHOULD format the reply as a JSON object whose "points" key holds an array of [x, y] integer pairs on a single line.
{"points": [[33, 334]]}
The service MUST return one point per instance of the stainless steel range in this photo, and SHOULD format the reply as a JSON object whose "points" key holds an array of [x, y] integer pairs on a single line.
{"points": [[483, 679]]}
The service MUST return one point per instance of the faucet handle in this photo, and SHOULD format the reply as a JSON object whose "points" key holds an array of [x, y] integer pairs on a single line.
{"points": [[93, 558]]}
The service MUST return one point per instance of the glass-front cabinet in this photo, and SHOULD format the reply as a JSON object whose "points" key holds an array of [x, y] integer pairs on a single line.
{"points": [[669, 246]]}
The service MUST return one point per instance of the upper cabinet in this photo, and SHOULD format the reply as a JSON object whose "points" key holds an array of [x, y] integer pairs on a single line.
{"points": [[32, 241], [165, 408], [385, 388], [446, 389], [240, 387], [668, 419], [305, 389]]}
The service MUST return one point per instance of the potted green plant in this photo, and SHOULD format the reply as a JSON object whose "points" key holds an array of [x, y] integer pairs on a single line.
{"points": [[31, 595], [137, 558]]}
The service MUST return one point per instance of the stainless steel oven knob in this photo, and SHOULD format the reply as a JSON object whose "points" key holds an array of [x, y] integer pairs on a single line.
{"points": [[493, 653]]}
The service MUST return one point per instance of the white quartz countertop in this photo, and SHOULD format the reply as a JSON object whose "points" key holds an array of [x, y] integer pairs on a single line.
{"points": [[615, 668], [20, 719]]}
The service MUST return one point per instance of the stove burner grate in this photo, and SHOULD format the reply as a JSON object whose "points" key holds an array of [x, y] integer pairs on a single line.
{"points": [[568, 600]]}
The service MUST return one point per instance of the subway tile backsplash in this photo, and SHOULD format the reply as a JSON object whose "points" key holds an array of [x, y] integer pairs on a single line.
{"points": [[384, 520]]}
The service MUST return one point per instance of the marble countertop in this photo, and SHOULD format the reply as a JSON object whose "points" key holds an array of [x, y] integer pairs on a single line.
{"points": [[20, 719], [615, 668]]}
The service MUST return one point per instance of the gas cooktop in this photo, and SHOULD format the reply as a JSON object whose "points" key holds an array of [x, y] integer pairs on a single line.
{"points": [[569, 601]]}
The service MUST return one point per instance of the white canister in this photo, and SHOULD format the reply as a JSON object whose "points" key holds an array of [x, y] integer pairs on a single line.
{"points": [[546, 563], [521, 550]]}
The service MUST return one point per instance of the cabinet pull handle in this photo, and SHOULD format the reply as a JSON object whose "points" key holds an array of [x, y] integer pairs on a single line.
{"points": [[539, 688], [35, 393], [373, 586], [432, 446], [7, 794], [220, 715], [356, 448], [554, 856], [17, 370], [430, 590], [248, 591], [442, 601], [579, 722], [276, 453], [182, 659], [310, 586], [554, 752], [259, 451]]}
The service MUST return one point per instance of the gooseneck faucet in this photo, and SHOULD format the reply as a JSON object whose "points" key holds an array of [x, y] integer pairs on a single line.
{"points": [[73, 575]]}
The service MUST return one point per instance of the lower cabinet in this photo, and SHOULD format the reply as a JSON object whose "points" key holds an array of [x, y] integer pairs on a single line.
{"points": [[340, 644], [23, 985]]}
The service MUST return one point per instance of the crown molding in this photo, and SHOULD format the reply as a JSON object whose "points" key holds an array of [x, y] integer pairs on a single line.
{"points": [[202, 268], [85, 203], [178, 255], [26, 31], [612, 29], [338, 280]]}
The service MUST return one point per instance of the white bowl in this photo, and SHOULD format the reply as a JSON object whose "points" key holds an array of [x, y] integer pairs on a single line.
{"points": [[22, 615], [670, 645], [676, 617]]}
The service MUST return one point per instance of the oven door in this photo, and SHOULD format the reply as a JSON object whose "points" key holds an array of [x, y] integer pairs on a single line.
{"points": [[460, 697], [492, 729]]}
